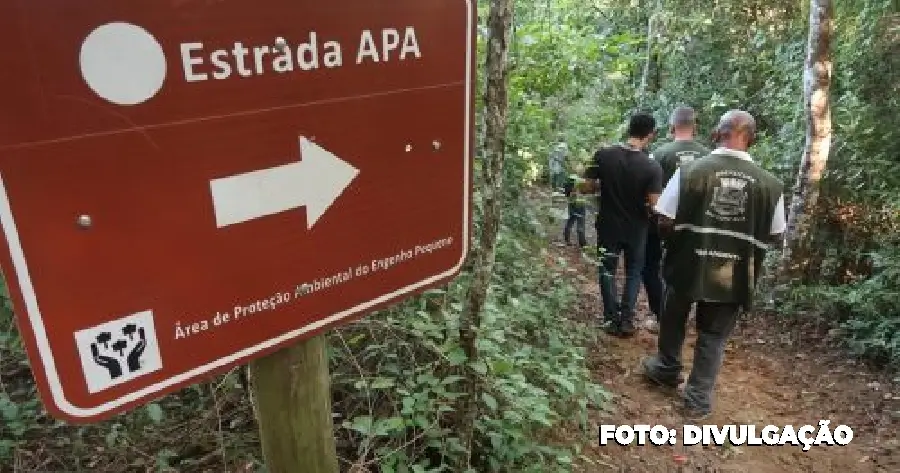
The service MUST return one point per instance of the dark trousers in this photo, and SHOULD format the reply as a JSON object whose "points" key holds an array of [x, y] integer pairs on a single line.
{"points": [[615, 310], [557, 180], [576, 219], [653, 283], [715, 323]]}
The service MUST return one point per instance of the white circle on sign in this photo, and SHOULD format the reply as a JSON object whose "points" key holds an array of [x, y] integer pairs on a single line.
{"points": [[123, 63]]}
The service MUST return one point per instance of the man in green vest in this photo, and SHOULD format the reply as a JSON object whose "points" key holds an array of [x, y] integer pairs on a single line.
{"points": [[577, 210], [670, 156], [719, 215]]}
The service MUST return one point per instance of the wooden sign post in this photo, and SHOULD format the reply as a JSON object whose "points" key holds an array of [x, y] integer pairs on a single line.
{"points": [[292, 394]]}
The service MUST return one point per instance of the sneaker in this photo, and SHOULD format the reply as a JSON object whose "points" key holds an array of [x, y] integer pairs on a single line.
{"points": [[651, 325]]}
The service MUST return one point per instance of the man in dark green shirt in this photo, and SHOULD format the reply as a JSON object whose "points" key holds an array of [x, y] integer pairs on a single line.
{"points": [[670, 156], [723, 212]]}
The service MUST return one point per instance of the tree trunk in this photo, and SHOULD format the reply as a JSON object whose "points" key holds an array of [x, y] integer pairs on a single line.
{"points": [[816, 83], [495, 113], [645, 75], [293, 405]]}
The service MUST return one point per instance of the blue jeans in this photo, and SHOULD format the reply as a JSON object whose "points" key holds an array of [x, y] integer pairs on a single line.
{"points": [[614, 310], [557, 180]]}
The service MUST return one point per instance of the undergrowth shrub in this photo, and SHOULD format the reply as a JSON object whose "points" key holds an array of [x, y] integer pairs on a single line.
{"points": [[867, 311], [399, 374]]}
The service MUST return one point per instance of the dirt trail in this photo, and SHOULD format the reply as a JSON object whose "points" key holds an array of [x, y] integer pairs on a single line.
{"points": [[771, 376]]}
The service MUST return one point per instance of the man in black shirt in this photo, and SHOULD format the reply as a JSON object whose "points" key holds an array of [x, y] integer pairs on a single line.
{"points": [[629, 182]]}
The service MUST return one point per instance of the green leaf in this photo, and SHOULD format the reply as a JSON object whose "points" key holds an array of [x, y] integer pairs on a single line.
{"points": [[451, 379], [155, 412], [489, 401], [9, 409], [502, 367], [382, 383], [163, 457], [111, 438], [384, 427], [362, 424], [568, 385], [408, 404], [456, 356]]}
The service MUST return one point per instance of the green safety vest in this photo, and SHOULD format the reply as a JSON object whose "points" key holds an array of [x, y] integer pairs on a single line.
{"points": [[722, 229]]}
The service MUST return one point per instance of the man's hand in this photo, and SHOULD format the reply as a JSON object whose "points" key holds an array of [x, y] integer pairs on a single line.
{"points": [[665, 226], [776, 239], [587, 186]]}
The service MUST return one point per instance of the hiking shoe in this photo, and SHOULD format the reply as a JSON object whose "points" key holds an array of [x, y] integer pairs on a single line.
{"points": [[627, 328], [652, 376], [693, 414], [613, 328]]}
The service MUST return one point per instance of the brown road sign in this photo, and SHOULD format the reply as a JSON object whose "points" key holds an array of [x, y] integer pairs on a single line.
{"points": [[188, 185]]}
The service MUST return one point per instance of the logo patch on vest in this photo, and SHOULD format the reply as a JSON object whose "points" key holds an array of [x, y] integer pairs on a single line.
{"points": [[685, 157], [729, 200]]}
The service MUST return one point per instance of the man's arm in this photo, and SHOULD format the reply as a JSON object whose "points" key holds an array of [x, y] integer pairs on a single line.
{"points": [[655, 185], [667, 204], [779, 222]]}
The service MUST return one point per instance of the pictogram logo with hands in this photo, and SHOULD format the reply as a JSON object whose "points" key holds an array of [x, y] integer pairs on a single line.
{"points": [[118, 351], [134, 346]]}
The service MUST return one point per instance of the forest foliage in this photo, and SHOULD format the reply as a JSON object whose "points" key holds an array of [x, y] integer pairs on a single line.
{"points": [[577, 71]]}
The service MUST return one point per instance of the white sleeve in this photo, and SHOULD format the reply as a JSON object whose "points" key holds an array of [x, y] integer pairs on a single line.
{"points": [[668, 202], [779, 221]]}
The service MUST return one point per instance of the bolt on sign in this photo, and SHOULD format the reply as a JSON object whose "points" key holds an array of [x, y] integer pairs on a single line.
{"points": [[185, 186]]}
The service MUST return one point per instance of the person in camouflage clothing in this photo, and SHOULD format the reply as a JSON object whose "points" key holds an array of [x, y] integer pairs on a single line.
{"points": [[719, 215], [557, 163], [577, 211]]}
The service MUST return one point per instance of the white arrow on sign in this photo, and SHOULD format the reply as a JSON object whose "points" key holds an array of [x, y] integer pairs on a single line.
{"points": [[316, 181]]}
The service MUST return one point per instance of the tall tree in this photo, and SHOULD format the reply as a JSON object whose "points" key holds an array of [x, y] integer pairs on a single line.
{"points": [[495, 113], [651, 34], [816, 84]]}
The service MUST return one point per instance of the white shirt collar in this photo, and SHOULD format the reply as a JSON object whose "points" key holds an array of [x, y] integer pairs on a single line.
{"points": [[733, 152]]}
